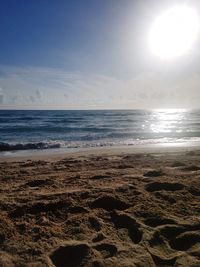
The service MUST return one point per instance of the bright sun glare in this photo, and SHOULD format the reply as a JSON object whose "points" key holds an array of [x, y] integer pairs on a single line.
{"points": [[174, 32]]}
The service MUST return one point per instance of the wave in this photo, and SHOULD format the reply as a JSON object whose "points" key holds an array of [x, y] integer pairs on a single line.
{"points": [[58, 144], [27, 146]]}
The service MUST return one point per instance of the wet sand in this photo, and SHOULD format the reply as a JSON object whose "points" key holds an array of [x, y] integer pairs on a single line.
{"points": [[101, 209]]}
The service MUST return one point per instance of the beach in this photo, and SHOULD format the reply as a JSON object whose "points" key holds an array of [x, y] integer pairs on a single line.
{"points": [[99, 133], [115, 207]]}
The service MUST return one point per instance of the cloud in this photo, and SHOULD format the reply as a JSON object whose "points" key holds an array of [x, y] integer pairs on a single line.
{"points": [[38, 94], [1, 96], [36, 98], [13, 99], [51, 88], [31, 98], [1, 99]]}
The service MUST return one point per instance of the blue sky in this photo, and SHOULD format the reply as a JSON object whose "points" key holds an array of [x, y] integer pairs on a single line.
{"points": [[91, 54], [60, 33]]}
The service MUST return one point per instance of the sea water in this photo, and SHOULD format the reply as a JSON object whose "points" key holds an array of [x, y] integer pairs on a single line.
{"points": [[48, 129]]}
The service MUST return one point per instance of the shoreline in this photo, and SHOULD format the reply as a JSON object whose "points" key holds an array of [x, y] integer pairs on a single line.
{"points": [[56, 154]]}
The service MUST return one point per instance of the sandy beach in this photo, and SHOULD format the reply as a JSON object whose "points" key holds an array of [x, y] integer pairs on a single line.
{"points": [[100, 209], [100, 133]]}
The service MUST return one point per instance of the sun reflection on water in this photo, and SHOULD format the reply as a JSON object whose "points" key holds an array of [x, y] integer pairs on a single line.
{"points": [[167, 120]]}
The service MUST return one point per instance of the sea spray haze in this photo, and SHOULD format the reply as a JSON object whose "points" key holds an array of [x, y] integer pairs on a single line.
{"points": [[24, 130]]}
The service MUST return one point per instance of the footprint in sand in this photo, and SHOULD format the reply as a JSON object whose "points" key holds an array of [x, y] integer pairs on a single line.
{"points": [[169, 241], [191, 168], [161, 252], [74, 254], [177, 164], [39, 182], [153, 173], [100, 177], [36, 208], [185, 241], [129, 223], [157, 186], [157, 221], [109, 203], [71, 255]]}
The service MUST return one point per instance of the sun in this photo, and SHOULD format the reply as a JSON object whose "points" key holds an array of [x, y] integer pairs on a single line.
{"points": [[174, 32]]}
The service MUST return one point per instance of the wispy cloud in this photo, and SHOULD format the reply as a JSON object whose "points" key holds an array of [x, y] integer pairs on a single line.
{"points": [[1, 96], [51, 88]]}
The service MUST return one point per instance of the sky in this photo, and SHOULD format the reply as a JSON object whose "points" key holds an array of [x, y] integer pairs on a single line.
{"points": [[91, 54]]}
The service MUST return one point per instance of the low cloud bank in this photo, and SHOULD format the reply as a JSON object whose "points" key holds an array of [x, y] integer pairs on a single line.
{"points": [[50, 88]]}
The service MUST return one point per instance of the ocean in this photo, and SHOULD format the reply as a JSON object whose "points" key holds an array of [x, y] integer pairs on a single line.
{"points": [[71, 130]]}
